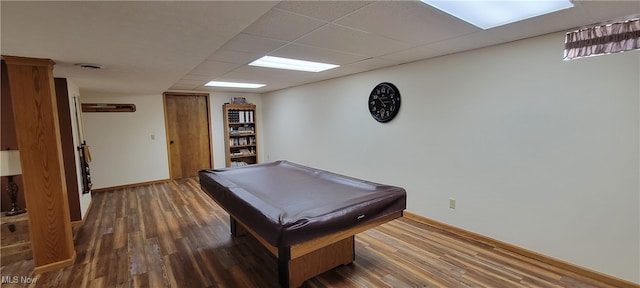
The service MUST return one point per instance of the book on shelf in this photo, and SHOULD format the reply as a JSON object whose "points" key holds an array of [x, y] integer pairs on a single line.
{"points": [[242, 141], [234, 116], [241, 131], [250, 151], [240, 116]]}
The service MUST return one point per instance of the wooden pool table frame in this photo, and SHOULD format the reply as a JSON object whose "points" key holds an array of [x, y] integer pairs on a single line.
{"points": [[301, 262]]}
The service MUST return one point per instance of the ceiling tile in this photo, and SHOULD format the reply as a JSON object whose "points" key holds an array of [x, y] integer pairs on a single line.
{"points": [[196, 77], [231, 56], [364, 65], [252, 44], [310, 53], [191, 83], [352, 41], [178, 86], [323, 10], [467, 42], [283, 25], [603, 11], [412, 54], [213, 68]]}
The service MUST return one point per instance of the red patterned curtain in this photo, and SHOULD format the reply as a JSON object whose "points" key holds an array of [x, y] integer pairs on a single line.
{"points": [[604, 39]]}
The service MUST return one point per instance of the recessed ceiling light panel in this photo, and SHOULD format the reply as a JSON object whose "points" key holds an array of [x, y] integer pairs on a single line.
{"points": [[292, 64], [234, 84], [488, 14]]}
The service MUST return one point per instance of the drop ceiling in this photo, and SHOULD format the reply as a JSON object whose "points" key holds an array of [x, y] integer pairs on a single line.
{"points": [[155, 46]]}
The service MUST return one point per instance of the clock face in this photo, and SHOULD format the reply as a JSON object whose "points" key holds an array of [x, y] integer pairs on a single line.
{"points": [[384, 102]]}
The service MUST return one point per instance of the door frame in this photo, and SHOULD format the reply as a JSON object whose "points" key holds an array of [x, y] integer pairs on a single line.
{"points": [[166, 124]]}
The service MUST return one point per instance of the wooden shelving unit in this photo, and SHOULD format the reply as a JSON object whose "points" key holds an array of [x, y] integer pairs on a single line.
{"points": [[240, 135]]}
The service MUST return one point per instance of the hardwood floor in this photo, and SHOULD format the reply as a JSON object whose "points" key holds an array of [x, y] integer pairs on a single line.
{"points": [[173, 235]]}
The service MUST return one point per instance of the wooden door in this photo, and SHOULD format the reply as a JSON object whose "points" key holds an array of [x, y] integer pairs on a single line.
{"points": [[188, 133]]}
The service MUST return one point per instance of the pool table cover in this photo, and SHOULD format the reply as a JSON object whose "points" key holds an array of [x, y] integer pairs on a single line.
{"points": [[287, 203]]}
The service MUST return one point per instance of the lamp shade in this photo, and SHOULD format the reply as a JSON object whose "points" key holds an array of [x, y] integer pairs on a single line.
{"points": [[10, 163]]}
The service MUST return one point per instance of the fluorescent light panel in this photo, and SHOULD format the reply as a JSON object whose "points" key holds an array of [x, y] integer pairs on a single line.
{"points": [[233, 84], [489, 14], [292, 64]]}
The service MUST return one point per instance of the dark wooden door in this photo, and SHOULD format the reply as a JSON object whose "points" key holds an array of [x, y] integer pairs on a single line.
{"points": [[188, 133]]}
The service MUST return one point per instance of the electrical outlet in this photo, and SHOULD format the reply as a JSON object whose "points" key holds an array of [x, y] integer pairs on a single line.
{"points": [[452, 203]]}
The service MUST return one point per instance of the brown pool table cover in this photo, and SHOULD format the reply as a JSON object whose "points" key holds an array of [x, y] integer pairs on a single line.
{"points": [[287, 203]]}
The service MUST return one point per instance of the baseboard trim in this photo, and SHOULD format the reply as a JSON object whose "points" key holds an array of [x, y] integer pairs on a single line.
{"points": [[608, 279], [88, 211], [55, 265], [101, 190]]}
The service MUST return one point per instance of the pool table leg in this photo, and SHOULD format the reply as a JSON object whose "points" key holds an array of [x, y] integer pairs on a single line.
{"points": [[284, 257], [298, 264]]}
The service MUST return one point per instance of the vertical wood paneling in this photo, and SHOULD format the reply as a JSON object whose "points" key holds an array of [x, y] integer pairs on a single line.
{"points": [[36, 121]]}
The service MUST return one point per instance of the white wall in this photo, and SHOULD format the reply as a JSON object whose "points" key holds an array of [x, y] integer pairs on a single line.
{"points": [[120, 142], [538, 152], [74, 92]]}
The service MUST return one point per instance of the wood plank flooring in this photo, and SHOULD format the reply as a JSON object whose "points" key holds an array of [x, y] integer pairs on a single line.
{"points": [[173, 235]]}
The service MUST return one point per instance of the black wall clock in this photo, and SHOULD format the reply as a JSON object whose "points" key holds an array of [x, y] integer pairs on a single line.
{"points": [[384, 102]]}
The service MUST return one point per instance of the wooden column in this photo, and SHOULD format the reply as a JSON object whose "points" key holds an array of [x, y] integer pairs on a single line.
{"points": [[37, 128]]}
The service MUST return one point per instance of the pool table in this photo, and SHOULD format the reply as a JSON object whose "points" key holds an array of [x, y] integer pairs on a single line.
{"points": [[305, 217]]}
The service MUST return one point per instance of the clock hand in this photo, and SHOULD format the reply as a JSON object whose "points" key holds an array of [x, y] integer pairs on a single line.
{"points": [[385, 105]]}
